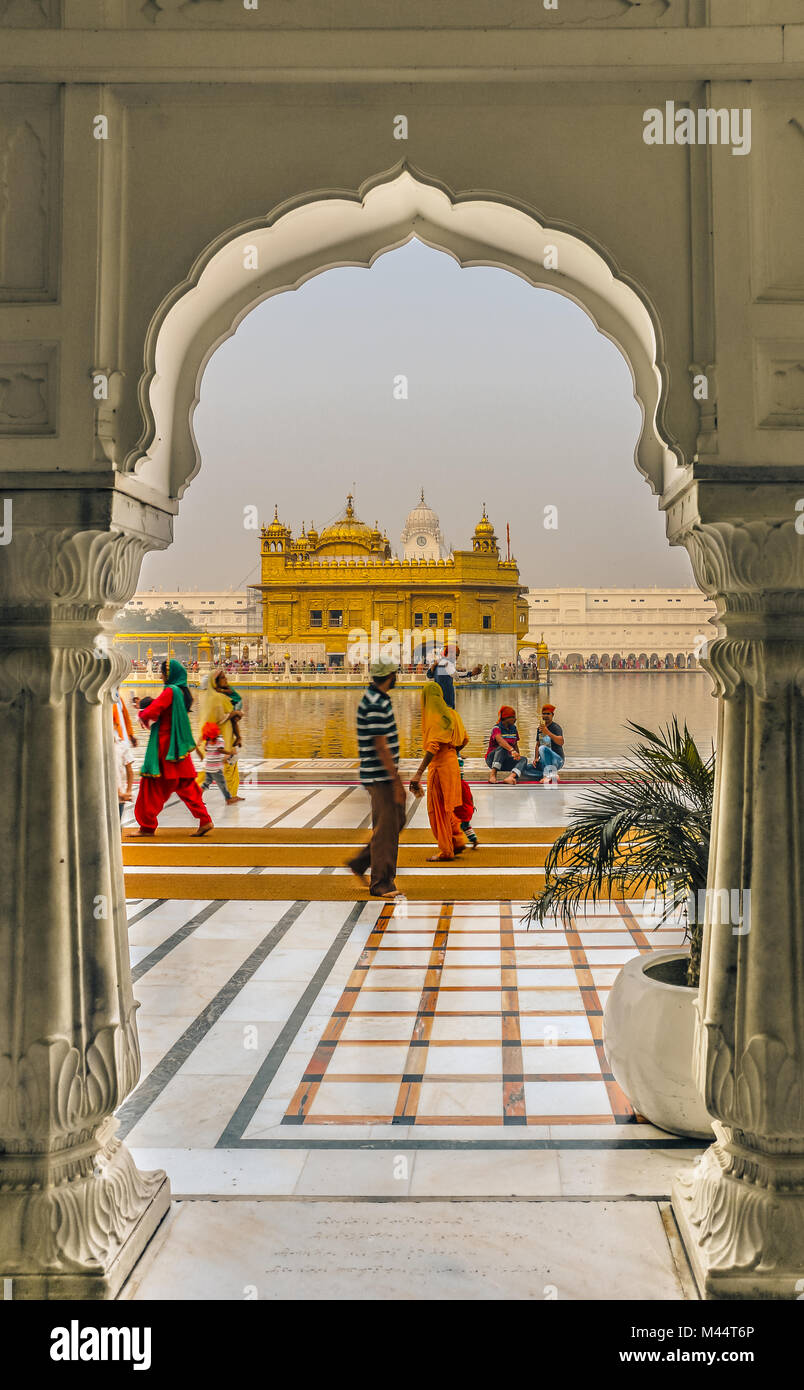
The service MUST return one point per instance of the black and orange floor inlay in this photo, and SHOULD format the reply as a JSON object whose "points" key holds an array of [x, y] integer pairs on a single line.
{"points": [[460, 1016]]}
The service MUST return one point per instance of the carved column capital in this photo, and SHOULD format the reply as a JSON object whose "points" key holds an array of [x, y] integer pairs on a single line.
{"points": [[57, 585], [747, 557], [68, 570], [767, 667], [49, 674], [745, 538]]}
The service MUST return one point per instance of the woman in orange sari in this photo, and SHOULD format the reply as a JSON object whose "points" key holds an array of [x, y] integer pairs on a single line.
{"points": [[443, 734]]}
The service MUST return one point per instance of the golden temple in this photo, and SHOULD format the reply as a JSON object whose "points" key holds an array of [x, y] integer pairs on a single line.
{"points": [[319, 590]]}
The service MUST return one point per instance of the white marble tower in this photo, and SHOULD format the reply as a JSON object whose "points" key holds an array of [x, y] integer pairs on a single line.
{"points": [[421, 534]]}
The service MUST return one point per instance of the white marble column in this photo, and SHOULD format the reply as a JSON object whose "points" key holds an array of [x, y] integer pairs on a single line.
{"points": [[75, 1213], [741, 1211]]}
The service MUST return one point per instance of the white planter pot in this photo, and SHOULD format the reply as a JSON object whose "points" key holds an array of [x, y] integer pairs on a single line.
{"points": [[648, 1034]]}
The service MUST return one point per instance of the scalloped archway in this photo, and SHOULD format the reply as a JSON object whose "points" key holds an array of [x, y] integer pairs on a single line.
{"points": [[253, 261]]}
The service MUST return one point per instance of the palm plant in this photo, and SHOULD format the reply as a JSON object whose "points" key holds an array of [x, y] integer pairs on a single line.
{"points": [[647, 833]]}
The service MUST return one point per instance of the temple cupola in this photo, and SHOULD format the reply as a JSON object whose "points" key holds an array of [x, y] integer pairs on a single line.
{"points": [[484, 540], [276, 537], [421, 534]]}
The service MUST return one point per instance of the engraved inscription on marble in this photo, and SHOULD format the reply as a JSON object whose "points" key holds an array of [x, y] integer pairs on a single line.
{"points": [[411, 1250]]}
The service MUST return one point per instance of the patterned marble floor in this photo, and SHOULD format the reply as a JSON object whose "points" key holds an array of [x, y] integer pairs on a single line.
{"points": [[293, 1047], [462, 1017]]}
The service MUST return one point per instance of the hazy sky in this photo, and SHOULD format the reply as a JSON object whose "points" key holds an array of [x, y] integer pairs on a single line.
{"points": [[514, 399]]}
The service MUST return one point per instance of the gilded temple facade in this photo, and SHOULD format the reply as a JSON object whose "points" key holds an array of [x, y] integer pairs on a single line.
{"points": [[325, 597]]}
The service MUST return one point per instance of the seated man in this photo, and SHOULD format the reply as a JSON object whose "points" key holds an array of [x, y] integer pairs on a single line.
{"points": [[551, 753]]}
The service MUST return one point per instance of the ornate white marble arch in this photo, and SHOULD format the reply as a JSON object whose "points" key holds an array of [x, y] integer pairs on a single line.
{"points": [[76, 1213], [301, 239]]}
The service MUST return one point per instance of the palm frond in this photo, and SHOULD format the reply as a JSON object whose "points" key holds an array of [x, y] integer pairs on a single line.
{"points": [[648, 832]]}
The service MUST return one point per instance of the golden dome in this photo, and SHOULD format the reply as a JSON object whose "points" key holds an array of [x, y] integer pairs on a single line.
{"points": [[277, 527], [484, 526], [348, 530]]}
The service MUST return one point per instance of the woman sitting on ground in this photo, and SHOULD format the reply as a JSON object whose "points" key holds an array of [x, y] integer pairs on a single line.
{"points": [[502, 754]]}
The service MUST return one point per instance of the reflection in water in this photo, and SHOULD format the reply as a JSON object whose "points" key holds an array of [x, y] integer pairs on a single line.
{"points": [[591, 708]]}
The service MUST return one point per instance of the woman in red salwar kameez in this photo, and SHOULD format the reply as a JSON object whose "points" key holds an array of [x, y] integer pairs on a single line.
{"points": [[168, 766]]}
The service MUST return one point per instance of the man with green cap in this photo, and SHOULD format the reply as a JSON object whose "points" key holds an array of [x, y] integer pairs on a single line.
{"points": [[378, 746]]}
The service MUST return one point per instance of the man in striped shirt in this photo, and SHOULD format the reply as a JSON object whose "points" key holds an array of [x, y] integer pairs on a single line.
{"points": [[378, 746]]}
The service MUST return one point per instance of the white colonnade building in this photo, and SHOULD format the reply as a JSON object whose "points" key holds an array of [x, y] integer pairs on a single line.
{"points": [[612, 625]]}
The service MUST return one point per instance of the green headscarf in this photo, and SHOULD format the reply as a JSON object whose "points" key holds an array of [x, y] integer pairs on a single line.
{"points": [[181, 735]]}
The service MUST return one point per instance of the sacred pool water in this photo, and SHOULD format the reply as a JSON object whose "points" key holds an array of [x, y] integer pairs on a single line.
{"points": [[591, 707]]}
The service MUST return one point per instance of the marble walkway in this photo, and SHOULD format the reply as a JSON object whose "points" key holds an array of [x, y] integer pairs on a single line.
{"points": [[298, 1055]]}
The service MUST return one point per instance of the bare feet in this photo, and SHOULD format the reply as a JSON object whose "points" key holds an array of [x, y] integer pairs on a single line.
{"points": [[440, 858], [233, 799], [393, 895], [204, 829], [492, 776], [511, 778], [144, 831]]}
